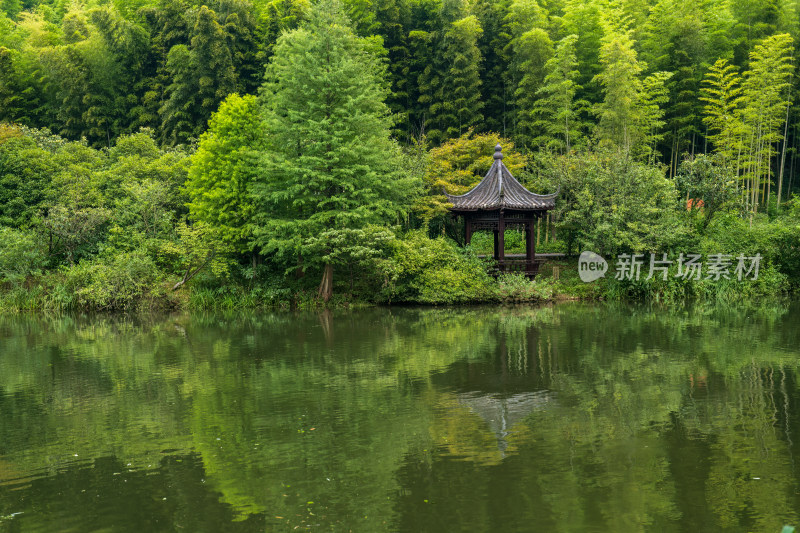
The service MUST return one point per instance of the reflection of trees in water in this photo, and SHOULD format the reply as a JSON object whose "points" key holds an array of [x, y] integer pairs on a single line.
{"points": [[596, 405], [747, 422], [624, 381]]}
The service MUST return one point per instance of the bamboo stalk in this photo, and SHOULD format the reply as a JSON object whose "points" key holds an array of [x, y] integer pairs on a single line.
{"points": [[783, 152]]}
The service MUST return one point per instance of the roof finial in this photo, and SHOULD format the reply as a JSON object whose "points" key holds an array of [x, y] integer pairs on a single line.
{"points": [[498, 154]]}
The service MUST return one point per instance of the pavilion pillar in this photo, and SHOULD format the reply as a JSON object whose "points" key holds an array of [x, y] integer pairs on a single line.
{"points": [[501, 244], [529, 247], [496, 249]]}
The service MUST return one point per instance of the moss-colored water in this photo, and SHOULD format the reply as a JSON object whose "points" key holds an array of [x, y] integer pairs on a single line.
{"points": [[568, 418]]}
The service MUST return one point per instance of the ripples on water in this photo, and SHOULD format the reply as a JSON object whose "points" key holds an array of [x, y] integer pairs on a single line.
{"points": [[570, 418]]}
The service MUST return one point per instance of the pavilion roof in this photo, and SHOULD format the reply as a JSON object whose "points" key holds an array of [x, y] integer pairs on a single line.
{"points": [[499, 189]]}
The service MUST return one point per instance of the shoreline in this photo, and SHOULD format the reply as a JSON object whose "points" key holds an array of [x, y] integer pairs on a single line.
{"points": [[42, 295]]}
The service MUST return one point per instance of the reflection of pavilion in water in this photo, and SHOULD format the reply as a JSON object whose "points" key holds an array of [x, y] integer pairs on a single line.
{"points": [[502, 413], [512, 381]]}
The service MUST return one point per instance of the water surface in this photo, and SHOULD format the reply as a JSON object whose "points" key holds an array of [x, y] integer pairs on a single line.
{"points": [[568, 418]]}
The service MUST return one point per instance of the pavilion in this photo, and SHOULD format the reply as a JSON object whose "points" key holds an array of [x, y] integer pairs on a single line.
{"points": [[500, 201]]}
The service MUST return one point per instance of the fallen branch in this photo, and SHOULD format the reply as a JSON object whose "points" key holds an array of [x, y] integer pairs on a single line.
{"points": [[191, 273]]}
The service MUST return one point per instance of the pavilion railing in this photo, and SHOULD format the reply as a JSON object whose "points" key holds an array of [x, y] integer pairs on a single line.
{"points": [[518, 264]]}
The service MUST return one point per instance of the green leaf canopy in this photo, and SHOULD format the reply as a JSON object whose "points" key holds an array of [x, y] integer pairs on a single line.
{"points": [[330, 163]]}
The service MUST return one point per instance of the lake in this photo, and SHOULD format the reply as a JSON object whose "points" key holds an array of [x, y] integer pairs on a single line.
{"points": [[575, 417]]}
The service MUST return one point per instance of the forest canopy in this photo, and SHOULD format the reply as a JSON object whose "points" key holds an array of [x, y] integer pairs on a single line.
{"points": [[248, 143]]}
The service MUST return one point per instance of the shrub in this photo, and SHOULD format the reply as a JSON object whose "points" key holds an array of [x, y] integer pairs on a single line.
{"points": [[434, 271], [119, 282], [610, 204], [518, 288], [21, 255]]}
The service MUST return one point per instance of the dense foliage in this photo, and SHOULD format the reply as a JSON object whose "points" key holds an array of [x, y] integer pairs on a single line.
{"points": [[254, 148]]}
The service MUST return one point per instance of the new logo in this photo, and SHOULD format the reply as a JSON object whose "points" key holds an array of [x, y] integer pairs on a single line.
{"points": [[591, 266]]}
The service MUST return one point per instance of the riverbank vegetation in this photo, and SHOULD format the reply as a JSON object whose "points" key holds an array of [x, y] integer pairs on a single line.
{"points": [[286, 153]]}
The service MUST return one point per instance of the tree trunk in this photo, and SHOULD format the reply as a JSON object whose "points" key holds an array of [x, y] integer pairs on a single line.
{"points": [[791, 164], [254, 265], [326, 285], [672, 151], [783, 152], [705, 141], [190, 272], [546, 227]]}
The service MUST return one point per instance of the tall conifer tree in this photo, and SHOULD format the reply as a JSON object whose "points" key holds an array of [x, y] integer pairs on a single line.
{"points": [[330, 166]]}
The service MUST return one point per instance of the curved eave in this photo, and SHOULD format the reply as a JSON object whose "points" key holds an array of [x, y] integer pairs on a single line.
{"points": [[496, 208], [500, 190]]}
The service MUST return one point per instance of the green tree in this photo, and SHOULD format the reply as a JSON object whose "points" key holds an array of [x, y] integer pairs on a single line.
{"points": [[682, 38], [179, 108], [650, 114], [12, 105], [450, 82], [765, 94], [167, 25], [279, 16], [202, 76], [556, 110], [534, 49], [708, 179], [25, 174], [459, 106], [329, 162], [94, 81], [75, 27], [223, 168], [721, 92], [362, 16], [420, 44], [392, 19], [67, 84], [115, 55], [492, 43], [755, 21], [213, 63], [630, 116], [527, 48], [198, 248], [143, 184], [75, 232], [621, 86], [611, 204], [21, 254], [585, 19], [237, 18]]}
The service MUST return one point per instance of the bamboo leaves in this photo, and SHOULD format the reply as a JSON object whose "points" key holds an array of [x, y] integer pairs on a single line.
{"points": [[746, 115], [721, 93]]}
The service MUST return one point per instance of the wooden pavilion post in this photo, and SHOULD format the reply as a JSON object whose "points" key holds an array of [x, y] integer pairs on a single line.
{"points": [[529, 247], [501, 242]]}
